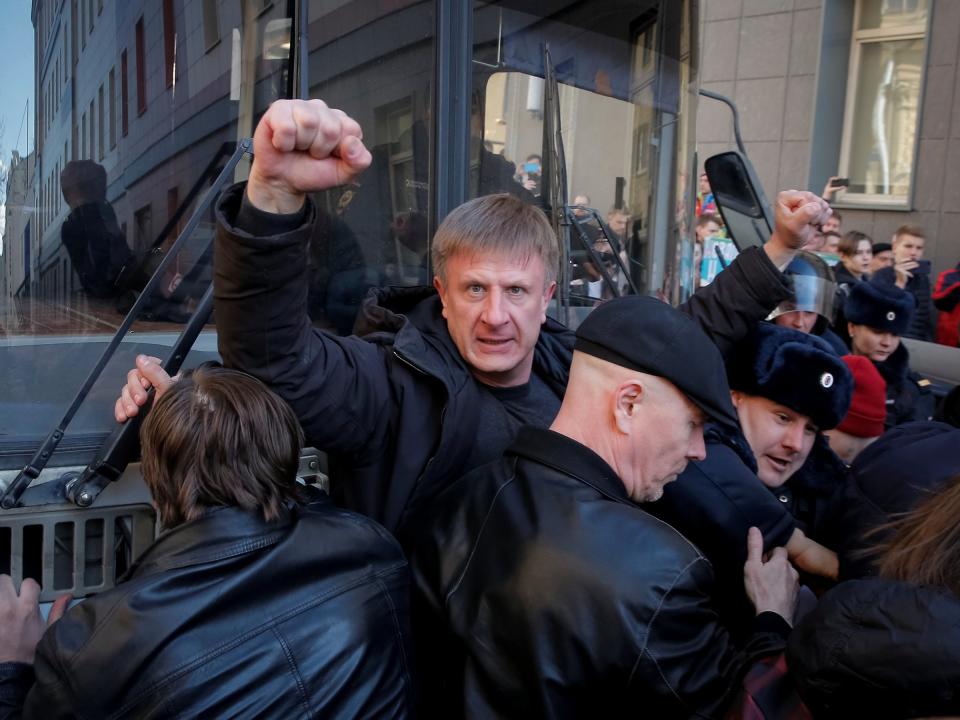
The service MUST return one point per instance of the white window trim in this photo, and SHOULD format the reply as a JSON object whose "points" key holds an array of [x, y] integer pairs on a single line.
{"points": [[860, 38]]}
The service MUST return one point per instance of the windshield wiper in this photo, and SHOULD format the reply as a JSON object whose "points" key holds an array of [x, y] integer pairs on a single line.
{"points": [[116, 451]]}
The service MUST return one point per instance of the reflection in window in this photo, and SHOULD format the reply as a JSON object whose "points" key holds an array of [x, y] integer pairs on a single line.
{"points": [[376, 62], [141, 70], [93, 208], [615, 112], [211, 24], [883, 101]]}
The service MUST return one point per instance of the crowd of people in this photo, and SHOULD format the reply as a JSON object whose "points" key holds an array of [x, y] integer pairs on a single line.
{"points": [[726, 508]]}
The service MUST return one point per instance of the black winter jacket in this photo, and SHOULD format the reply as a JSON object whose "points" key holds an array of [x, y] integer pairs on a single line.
{"points": [[395, 409], [715, 502], [230, 616], [890, 477], [565, 599], [879, 649], [909, 397]]}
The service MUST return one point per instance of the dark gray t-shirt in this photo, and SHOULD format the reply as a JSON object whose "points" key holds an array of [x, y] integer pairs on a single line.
{"points": [[503, 411]]}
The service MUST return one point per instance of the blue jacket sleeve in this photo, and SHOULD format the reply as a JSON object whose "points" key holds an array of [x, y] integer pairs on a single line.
{"points": [[715, 503]]}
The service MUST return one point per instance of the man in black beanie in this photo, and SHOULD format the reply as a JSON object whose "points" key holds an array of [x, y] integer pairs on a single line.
{"points": [[878, 314], [559, 594], [773, 469]]}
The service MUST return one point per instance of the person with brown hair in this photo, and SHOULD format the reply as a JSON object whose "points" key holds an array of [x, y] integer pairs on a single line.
{"points": [[252, 603], [856, 252], [911, 272], [925, 549], [831, 243], [889, 646]]}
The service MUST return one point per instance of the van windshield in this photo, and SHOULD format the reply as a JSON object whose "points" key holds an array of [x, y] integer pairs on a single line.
{"points": [[117, 117]]}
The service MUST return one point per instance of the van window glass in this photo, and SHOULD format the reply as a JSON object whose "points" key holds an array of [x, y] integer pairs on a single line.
{"points": [[113, 126]]}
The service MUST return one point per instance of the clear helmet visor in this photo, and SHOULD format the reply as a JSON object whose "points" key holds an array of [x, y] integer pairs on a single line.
{"points": [[811, 293]]}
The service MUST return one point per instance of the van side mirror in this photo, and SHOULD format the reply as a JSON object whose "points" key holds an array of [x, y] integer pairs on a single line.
{"points": [[740, 199]]}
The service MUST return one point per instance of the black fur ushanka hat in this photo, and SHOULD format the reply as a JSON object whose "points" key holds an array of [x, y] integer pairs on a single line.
{"points": [[881, 306], [795, 369]]}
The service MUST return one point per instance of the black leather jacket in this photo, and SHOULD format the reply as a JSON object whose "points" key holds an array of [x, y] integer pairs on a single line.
{"points": [[229, 616], [566, 599]]}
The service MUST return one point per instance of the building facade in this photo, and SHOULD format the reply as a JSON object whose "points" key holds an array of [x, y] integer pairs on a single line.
{"points": [[863, 89], [19, 207]]}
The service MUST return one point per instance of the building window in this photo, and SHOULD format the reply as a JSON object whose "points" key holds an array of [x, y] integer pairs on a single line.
{"points": [[211, 24], [173, 201], [74, 22], [169, 40], [124, 95], [142, 228], [112, 89], [141, 70], [83, 137], [100, 123], [881, 119], [93, 131]]}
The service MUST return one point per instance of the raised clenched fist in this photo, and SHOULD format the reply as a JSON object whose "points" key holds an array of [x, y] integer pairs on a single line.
{"points": [[303, 146]]}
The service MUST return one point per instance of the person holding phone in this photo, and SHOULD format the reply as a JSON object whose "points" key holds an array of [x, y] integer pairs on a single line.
{"points": [[911, 272], [834, 185], [530, 174]]}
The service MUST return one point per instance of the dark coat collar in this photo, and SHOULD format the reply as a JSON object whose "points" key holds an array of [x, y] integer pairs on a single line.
{"points": [[823, 471], [894, 369], [569, 457], [411, 320], [734, 439], [818, 474], [843, 275], [221, 533]]}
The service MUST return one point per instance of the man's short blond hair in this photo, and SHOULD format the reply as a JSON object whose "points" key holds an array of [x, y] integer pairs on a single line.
{"points": [[496, 224], [914, 230]]}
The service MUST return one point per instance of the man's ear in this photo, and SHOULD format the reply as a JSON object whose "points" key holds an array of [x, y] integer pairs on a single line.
{"points": [[626, 402], [736, 397], [547, 297], [442, 292]]}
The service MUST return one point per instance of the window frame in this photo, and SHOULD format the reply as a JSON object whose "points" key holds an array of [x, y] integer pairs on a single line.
{"points": [[858, 39]]}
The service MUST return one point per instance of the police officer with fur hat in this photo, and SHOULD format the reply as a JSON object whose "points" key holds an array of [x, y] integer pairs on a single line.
{"points": [[877, 314], [774, 469]]}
